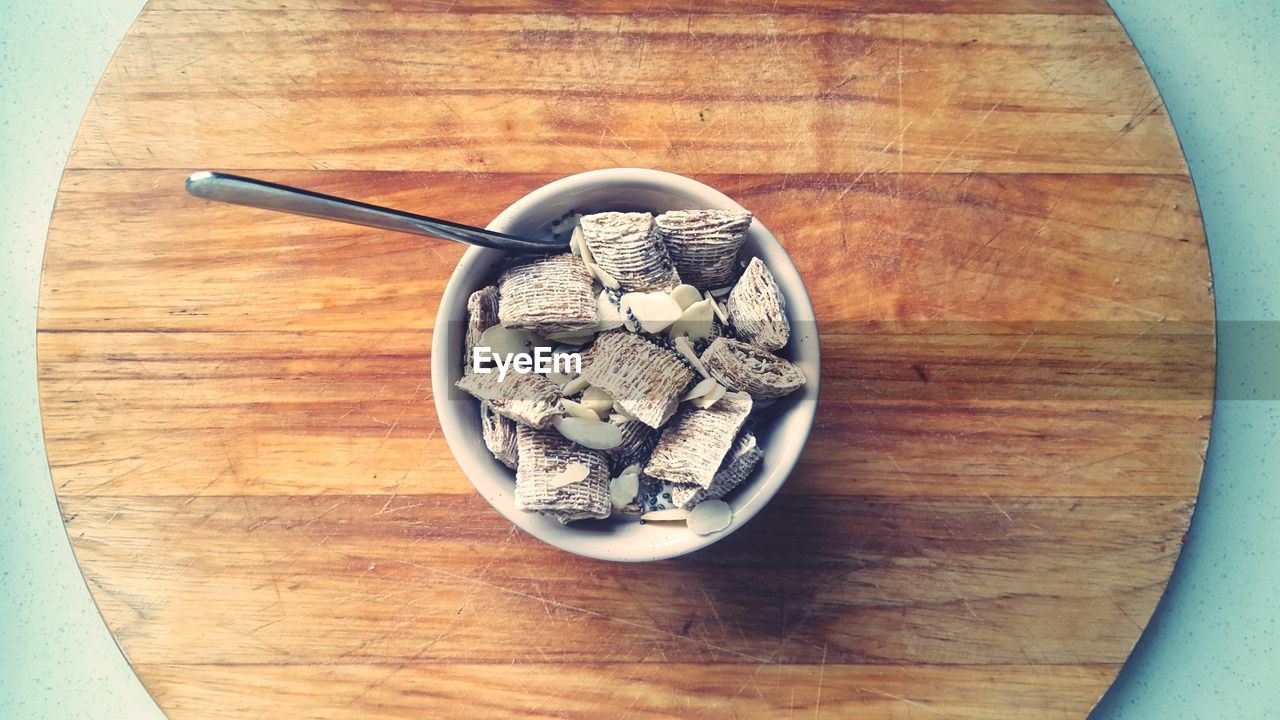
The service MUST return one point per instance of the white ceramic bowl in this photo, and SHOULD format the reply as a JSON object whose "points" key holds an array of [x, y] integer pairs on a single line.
{"points": [[781, 431]]}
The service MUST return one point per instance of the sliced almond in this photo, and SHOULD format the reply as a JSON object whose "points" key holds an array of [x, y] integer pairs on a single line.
{"points": [[702, 388], [594, 434], [721, 314], [710, 398], [577, 409], [597, 400], [654, 311], [632, 469], [685, 295], [577, 245], [619, 410], [572, 473], [502, 341], [695, 322], [686, 350], [623, 489], [665, 515], [575, 386], [607, 313], [559, 378], [566, 224], [721, 292], [576, 338], [583, 248], [710, 516]]}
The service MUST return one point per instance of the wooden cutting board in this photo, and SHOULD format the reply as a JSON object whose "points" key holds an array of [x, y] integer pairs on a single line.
{"points": [[1002, 244]]}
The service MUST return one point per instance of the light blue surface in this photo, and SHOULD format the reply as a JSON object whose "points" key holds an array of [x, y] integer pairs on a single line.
{"points": [[57, 659], [1213, 649]]}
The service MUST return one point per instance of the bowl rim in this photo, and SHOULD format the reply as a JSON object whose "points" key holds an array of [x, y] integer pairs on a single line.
{"points": [[453, 305]]}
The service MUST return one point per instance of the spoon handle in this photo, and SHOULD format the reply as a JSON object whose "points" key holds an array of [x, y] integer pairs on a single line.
{"points": [[238, 190]]}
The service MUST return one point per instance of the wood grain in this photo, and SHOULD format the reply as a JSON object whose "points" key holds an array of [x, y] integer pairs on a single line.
{"points": [[629, 7], [650, 690], [913, 247], [695, 94], [1003, 249], [313, 412], [860, 580]]}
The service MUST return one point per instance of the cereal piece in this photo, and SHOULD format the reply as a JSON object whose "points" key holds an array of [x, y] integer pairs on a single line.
{"points": [[704, 243], [625, 247], [566, 518], [544, 457], [638, 440], [692, 447], [499, 435], [527, 398], [572, 473], [482, 314], [737, 466], [746, 368], [687, 495], [643, 378], [603, 276], [550, 295], [757, 310]]}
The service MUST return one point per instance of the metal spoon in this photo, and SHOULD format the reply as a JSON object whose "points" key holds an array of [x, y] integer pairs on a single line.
{"points": [[239, 190]]}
